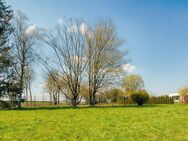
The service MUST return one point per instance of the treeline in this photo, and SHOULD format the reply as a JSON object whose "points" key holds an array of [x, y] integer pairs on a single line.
{"points": [[119, 98], [79, 53], [161, 100]]}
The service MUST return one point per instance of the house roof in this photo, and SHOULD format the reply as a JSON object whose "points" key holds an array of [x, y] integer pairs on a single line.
{"points": [[173, 94]]}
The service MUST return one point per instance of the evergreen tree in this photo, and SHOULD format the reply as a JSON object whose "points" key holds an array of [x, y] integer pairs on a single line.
{"points": [[7, 77]]}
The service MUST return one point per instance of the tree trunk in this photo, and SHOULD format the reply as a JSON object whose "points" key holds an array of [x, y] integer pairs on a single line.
{"points": [[30, 92], [90, 99], [58, 98], [74, 101], [94, 98], [26, 92], [21, 84], [19, 101], [50, 98], [55, 98]]}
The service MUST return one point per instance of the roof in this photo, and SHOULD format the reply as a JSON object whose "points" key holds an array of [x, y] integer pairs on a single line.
{"points": [[173, 94]]}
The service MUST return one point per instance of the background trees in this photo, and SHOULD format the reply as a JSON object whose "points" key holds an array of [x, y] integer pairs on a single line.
{"points": [[184, 93], [115, 94], [134, 89], [132, 83], [53, 87], [161, 100]]}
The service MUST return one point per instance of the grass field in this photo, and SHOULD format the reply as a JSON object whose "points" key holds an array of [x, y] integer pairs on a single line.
{"points": [[155, 123]]}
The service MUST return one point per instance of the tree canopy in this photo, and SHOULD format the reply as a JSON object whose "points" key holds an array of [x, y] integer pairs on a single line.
{"points": [[133, 83]]}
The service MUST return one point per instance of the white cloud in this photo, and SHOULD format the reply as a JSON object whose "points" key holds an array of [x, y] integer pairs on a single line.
{"points": [[31, 30], [128, 68]]}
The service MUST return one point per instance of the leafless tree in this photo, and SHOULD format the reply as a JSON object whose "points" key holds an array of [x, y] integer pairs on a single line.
{"points": [[24, 39], [69, 60], [104, 55], [52, 86]]}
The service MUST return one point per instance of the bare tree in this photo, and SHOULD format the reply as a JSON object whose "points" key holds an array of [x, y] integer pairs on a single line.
{"points": [[68, 43], [52, 86], [104, 55], [24, 39]]}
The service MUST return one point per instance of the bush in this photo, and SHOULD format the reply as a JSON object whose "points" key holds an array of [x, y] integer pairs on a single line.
{"points": [[4, 104], [140, 97]]}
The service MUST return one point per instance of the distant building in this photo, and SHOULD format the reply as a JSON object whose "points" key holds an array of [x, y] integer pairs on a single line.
{"points": [[176, 97]]}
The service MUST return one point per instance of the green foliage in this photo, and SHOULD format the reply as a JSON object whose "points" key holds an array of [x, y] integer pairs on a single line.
{"points": [[7, 74], [133, 83], [161, 100], [140, 97], [114, 94], [4, 104], [6, 15], [9, 86]]}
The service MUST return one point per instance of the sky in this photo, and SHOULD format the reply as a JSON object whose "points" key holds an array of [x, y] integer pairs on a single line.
{"points": [[155, 31]]}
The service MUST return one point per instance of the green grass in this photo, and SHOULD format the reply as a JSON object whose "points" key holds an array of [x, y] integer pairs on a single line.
{"points": [[155, 123]]}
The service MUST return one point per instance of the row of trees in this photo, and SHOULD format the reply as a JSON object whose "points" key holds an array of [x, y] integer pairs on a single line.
{"points": [[86, 58], [131, 90], [83, 54], [161, 100]]}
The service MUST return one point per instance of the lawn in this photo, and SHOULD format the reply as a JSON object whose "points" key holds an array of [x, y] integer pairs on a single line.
{"points": [[155, 123]]}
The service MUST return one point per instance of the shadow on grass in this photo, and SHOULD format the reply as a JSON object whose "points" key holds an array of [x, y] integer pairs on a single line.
{"points": [[82, 107]]}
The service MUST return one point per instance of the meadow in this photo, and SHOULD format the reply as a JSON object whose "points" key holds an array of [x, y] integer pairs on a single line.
{"points": [[132, 123]]}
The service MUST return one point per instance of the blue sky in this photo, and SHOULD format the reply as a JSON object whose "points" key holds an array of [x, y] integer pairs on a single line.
{"points": [[156, 32]]}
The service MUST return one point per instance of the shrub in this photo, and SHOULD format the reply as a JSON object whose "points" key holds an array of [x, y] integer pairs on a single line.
{"points": [[4, 104], [161, 100], [140, 97]]}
